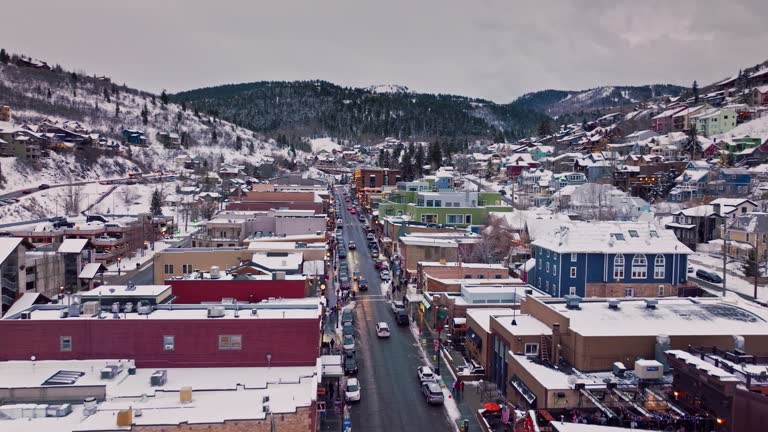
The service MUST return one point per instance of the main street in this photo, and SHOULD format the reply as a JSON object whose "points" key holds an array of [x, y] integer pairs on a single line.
{"points": [[391, 395]]}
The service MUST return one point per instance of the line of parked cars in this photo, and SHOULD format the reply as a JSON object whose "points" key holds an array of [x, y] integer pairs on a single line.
{"points": [[431, 390]]}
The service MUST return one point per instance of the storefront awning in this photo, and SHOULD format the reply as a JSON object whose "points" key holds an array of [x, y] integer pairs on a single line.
{"points": [[475, 338], [426, 303]]}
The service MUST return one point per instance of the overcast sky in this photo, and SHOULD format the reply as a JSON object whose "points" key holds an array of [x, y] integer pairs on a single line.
{"points": [[492, 49]]}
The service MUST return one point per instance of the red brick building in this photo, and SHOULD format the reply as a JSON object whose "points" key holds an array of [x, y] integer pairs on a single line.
{"points": [[246, 289]]}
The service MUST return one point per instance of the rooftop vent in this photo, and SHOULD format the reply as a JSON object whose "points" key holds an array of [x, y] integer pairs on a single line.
{"points": [[651, 303], [614, 303], [216, 312], [158, 378], [215, 272], [572, 301], [144, 308]]}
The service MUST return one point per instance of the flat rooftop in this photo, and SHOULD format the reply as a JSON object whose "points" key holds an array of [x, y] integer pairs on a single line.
{"points": [[672, 316], [306, 308], [125, 291], [219, 394], [482, 316], [462, 265], [526, 325]]}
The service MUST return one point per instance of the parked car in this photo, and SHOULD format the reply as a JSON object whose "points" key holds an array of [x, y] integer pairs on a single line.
{"points": [[382, 330], [708, 276], [346, 199], [352, 390], [397, 306], [425, 374], [433, 394], [370, 236], [361, 218], [348, 343], [385, 275], [401, 317], [362, 285], [350, 363], [352, 211], [375, 253], [44, 186], [377, 264], [356, 275], [26, 191], [342, 253], [352, 245], [347, 316], [348, 330]]}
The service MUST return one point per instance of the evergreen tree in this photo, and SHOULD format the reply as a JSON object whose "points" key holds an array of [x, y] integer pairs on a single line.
{"points": [[214, 135], [164, 97], [695, 90], [106, 95], [545, 128], [490, 169], [145, 115], [435, 155], [418, 161], [692, 145], [4, 57], [117, 109], [238, 143], [49, 94], [382, 161], [156, 204], [750, 266]]}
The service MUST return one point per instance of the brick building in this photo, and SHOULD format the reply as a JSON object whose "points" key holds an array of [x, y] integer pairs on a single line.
{"points": [[457, 270]]}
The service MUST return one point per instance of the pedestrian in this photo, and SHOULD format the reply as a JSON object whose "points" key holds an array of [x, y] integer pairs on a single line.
{"points": [[461, 387], [455, 388], [330, 393]]}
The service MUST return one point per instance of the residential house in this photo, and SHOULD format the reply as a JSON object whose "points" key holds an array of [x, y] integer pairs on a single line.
{"points": [[663, 123], [640, 135], [542, 151], [715, 121], [134, 137], [681, 121], [759, 96], [455, 208], [698, 224], [750, 230], [730, 182], [610, 259], [562, 180], [168, 139]]}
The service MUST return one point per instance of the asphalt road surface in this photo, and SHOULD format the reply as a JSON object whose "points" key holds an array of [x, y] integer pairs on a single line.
{"points": [[391, 396]]}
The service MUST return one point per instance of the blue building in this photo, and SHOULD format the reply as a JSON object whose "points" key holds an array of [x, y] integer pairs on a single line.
{"points": [[731, 182], [610, 259], [135, 137]]}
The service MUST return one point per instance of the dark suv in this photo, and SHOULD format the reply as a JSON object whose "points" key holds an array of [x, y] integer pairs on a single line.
{"points": [[708, 276]]}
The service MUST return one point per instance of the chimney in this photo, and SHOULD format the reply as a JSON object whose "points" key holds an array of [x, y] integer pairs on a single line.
{"points": [[716, 208], [555, 344]]}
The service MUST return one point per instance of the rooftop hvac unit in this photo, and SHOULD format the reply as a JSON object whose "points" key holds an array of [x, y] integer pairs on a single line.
{"points": [[614, 303], [144, 308], [651, 303], [158, 378], [215, 272], [63, 313], [73, 310], [649, 370], [216, 312], [619, 369], [62, 410], [116, 307], [109, 372], [26, 315], [90, 308], [572, 301], [129, 307], [89, 406]]}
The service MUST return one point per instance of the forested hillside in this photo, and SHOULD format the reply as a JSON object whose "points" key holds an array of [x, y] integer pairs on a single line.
{"points": [[322, 108]]}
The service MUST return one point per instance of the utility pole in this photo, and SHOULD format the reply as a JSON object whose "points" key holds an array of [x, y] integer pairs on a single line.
{"points": [[726, 237]]}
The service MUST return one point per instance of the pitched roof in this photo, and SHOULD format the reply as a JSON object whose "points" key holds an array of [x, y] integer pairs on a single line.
{"points": [[610, 237]]}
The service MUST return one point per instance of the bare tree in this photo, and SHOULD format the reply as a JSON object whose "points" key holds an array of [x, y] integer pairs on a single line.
{"points": [[129, 195], [70, 198], [495, 244]]}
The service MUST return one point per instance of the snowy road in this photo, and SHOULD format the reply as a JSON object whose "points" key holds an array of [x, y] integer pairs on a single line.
{"points": [[391, 395]]}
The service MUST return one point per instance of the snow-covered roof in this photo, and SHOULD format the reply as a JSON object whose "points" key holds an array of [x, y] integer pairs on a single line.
{"points": [[279, 261], [610, 237], [72, 245], [702, 365], [7, 246], [482, 316], [90, 270], [526, 325], [672, 316]]}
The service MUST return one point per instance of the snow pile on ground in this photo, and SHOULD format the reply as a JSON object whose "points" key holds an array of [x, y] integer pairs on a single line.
{"points": [[754, 128]]}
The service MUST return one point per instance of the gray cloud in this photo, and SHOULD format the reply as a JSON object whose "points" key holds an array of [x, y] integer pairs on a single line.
{"points": [[491, 49]]}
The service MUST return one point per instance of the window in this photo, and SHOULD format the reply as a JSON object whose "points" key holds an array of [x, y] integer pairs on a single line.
{"points": [[531, 349], [658, 267], [573, 272], [639, 267], [468, 276], [498, 276], [554, 269], [571, 290], [633, 233], [547, 267], [546, 284], [540, 282], [468, 219], [618, 266], [186, 268], [454, 219], [573, 257], [481, 276], [428, 218], [618, 236], [654, 234], [629, 292], [661, 290], [65, 343], [438, 203], [430, 203], [168, 268], [169, 343], [230, 342]]}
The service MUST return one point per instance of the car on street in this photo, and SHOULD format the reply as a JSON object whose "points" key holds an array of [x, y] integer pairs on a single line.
{"points": [[352, 245], [385, 275], [362, 285], [425, 374], [338, 232], [350, 363], [44, 186], [397, 306], [370, 236], [377, 264], [374, 253], [356, 275], [709, 276], [348, 330], [347, 316], [361, 218], [401, 317], [26, 191], [352, 211], [433, 394], [342, 253], [346, 199], [382, 330], [348, 343], [352, 390]]}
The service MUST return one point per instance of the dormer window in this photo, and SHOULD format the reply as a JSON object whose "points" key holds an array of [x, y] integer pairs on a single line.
{"points": [[633, 233], [618, 236], [654, 234]]}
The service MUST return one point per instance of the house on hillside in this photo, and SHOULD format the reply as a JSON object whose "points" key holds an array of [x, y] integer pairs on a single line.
{"points": [[609, 259], [749, 229], [640, 135], [681, 121], [715, 121], [134, 137], [168, 139], [662, 123], [759, 96]]}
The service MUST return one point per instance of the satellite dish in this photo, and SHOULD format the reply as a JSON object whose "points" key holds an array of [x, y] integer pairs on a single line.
{"points": [[572, 380]]}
